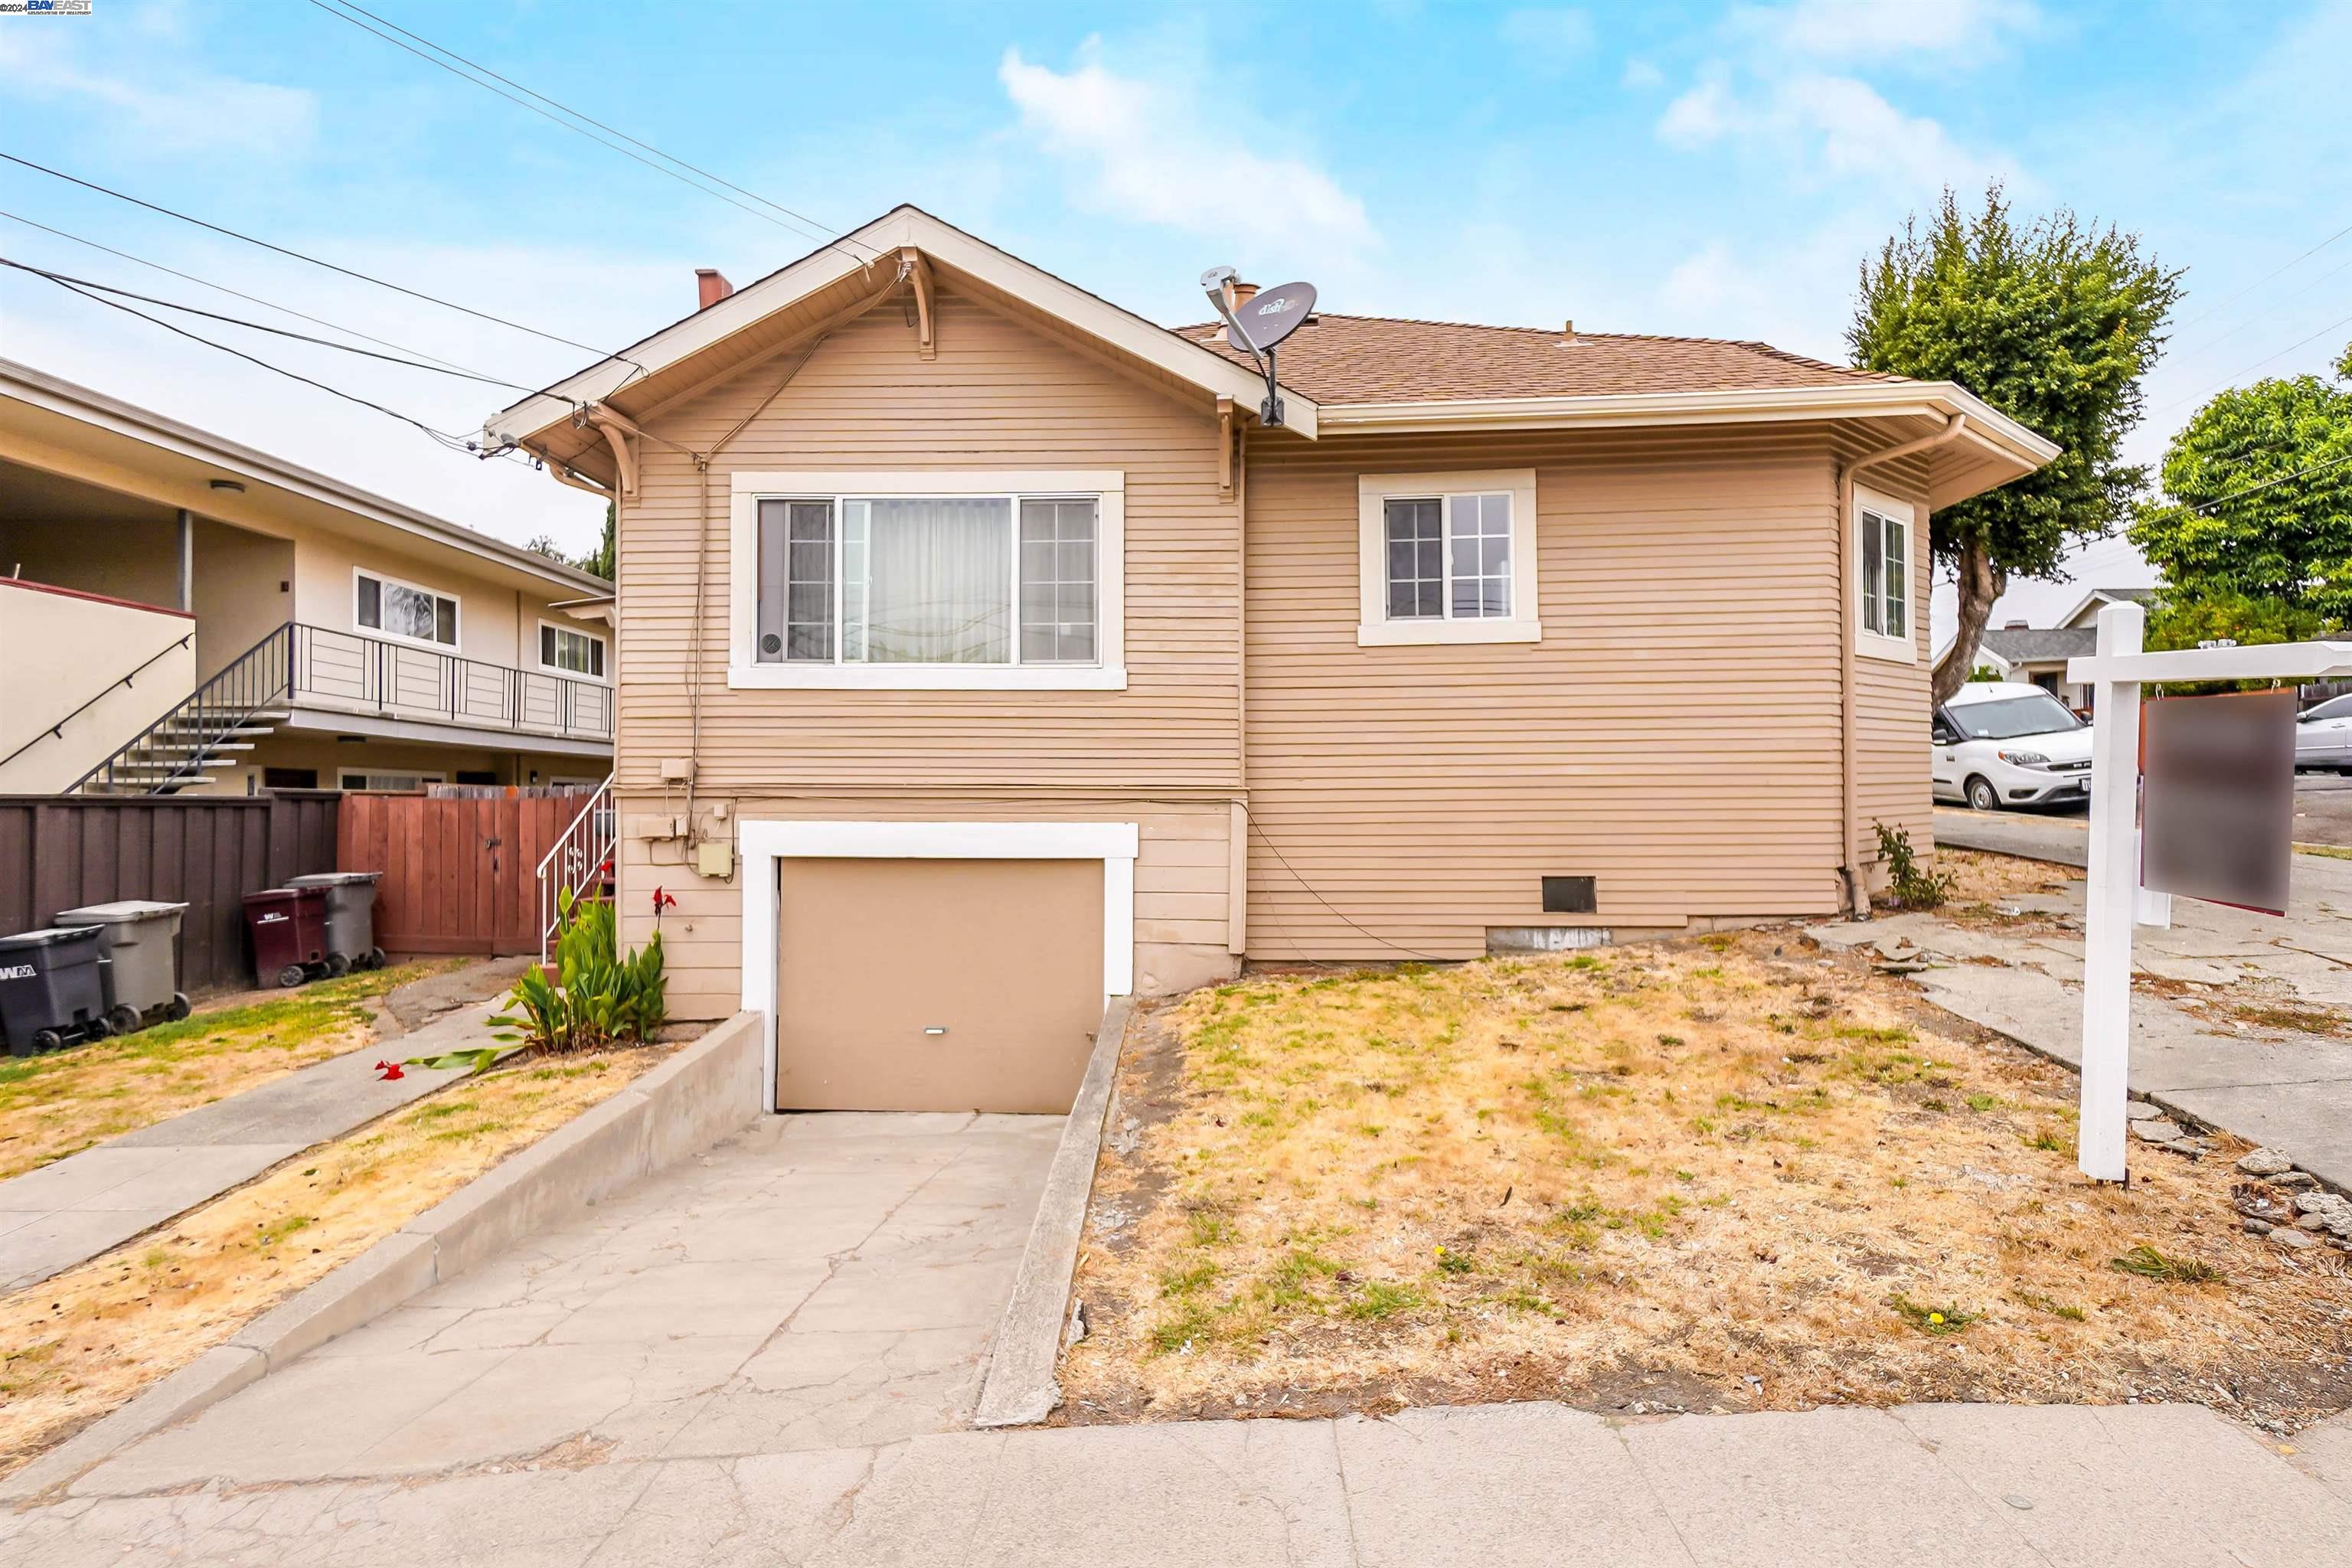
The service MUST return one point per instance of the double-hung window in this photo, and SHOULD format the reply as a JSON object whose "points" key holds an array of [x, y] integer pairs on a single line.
{"points": [[1883, 556], [403, 610], [1448, 558], [918, 580]]}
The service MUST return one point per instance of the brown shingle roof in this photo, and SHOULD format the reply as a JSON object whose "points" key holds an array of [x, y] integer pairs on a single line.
{"points": [[1380, 358]]}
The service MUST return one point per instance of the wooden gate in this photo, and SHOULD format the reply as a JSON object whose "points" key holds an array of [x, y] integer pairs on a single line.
{"points": [[459, 876]]}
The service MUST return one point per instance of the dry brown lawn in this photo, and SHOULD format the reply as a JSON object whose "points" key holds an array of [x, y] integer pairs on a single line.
{"points": [[78, 1345], [61, 1103], [1720, 1173]]}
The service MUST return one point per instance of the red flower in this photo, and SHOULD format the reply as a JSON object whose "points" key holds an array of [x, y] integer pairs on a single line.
{"points": [[662, 901], [388, 1072]]}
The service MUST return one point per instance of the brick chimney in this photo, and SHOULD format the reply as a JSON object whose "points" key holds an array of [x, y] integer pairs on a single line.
{"points": [[1243, 293], [1237, 294], [2018, 626], [709, 286]]}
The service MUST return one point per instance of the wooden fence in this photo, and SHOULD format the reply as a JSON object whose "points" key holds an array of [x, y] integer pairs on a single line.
{"points": [[459, 876], [60, 852]]}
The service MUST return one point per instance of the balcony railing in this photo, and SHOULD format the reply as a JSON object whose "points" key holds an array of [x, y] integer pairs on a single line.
{"points": [[362, 674]]}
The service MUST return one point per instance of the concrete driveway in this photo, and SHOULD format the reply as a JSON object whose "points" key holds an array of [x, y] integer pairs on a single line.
{"points": [[816, 1283]]}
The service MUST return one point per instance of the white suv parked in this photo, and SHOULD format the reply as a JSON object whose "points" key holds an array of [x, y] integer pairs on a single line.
{"points": [[2000, 742]]}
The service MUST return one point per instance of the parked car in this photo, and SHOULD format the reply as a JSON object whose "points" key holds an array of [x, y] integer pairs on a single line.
{"points": [[2003, 742], [2323, 735]]}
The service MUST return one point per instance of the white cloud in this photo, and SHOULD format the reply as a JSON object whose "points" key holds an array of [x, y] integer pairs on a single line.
{"points": [[1958, 31], [175, 109], [1641, 75], [1156, 150], [1551, 40]]}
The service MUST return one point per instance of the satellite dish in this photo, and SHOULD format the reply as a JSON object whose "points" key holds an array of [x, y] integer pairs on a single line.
{"points": [[1215, 277], [1272, 314]]}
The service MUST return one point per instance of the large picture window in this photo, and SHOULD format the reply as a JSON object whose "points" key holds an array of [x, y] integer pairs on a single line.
{"points": [[403, 610], [955, 584]]}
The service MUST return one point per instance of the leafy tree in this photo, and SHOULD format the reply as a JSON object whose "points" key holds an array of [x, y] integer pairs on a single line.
{"points": [[598, 561], [2256, 519], [2052, 323]]}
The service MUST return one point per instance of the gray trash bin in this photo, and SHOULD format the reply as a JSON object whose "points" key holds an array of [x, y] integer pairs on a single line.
{"points": [[143, 968], [351, 917]]}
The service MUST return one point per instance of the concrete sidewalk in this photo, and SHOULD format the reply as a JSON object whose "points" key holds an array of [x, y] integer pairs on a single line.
{"points": [[2279, 1086], [68, 1212], [1936, 1486]]}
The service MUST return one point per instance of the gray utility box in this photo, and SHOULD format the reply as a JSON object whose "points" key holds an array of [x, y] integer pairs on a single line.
{"points": [[138, 937], [351, 917]]}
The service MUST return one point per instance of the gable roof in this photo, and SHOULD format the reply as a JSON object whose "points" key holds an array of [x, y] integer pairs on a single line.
{"points": [[1354, 374], [1376, 358], [839, 266], [2097, 596], [2021, 645]]}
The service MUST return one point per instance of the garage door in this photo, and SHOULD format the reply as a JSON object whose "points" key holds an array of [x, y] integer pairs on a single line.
{"points": [[936, 984]]}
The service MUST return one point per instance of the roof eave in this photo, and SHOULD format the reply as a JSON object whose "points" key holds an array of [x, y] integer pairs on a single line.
{"points": [[57, 396], [532, 416]]}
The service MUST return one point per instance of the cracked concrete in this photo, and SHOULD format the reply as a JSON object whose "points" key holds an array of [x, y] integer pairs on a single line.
{"points": [[2191, 1054]]}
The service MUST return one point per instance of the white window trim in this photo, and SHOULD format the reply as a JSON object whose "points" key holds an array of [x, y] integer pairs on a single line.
{"points": [[1877, 644], [1373, 491], [456, 601], [763, 842], [538, 644], [1108, 673]]}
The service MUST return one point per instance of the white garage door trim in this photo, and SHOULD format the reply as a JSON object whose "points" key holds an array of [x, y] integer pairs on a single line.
{"points": [[763, 842]]}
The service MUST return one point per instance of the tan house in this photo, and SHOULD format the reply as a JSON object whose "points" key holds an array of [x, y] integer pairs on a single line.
{"points": [[181, 612], [984, 655]]}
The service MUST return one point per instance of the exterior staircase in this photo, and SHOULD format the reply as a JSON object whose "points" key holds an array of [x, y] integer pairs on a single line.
{"points": [[220, 719], [580, 862]]}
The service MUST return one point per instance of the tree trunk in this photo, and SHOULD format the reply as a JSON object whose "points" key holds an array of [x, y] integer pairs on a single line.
{"points": [[1981, 583]]}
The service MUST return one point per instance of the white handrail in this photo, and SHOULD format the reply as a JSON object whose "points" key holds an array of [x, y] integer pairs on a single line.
{"points": [[581, 854]]}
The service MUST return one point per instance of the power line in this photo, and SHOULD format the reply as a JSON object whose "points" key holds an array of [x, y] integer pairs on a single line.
{"points": [[240, 294], [2266, 484], [2215, 342], [315, 261], [456, 443], [255, 326], [2232, 379], [2265, 277], [799, 223]]}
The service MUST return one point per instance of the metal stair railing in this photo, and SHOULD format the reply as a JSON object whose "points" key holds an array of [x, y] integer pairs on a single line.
{"points": [[57, 732], [207, 718], [582, 855]]}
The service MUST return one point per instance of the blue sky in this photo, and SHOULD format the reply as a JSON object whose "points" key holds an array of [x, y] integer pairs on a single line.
{"points": [[1710, 169]]}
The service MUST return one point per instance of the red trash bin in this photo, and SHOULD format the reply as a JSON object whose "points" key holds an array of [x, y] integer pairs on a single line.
{"points": [[289, 934]]}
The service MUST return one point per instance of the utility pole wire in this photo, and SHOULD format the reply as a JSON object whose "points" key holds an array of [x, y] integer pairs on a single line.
{"points": [[241, 294], [315, 261], [799, 222], [255, 326]]}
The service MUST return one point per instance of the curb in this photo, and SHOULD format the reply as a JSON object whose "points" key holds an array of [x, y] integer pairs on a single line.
{"points": [[1020, 1390], [685, 1105]]}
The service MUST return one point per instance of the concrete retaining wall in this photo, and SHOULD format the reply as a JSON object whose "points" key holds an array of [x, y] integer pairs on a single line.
{"points": [[689, 1102]]}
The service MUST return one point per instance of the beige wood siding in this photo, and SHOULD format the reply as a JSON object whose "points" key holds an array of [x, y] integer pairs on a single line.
{"points": [[1180, 879], [1891, 762], [998, 395], [1675, 734]]}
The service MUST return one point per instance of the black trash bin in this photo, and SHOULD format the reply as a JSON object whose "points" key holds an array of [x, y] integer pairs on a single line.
{"points": [[52, 991], [289, 934]]}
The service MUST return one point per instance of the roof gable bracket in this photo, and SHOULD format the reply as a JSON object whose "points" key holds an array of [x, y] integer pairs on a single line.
{"points": [[624, 458], [918, 267]]}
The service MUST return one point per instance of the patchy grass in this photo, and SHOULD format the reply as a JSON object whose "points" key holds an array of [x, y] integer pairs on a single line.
{"points": [[1726, 1167], [78, 1345], [1984, 884], [2330, 851], [59, 1104]]}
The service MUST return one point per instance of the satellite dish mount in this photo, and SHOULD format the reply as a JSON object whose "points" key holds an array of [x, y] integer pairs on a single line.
{"points": [[1260, 323]]}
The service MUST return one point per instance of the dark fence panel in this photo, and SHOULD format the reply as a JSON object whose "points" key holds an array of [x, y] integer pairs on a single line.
{"points": [[59, 852]]}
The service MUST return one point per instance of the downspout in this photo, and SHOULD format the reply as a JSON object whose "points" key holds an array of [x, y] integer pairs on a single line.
{"points": [[1857, 887]]}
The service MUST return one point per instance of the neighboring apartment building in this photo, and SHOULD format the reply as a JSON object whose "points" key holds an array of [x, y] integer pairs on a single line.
{"points": [[986, 656], [178, 612]]}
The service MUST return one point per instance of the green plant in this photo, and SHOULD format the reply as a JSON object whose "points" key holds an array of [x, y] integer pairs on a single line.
{"points": [[598, 996], [2149, 1263], [1933, 1320], [1912, 888]]}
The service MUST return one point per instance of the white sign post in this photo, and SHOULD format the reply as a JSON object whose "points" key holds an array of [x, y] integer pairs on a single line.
{"points": [[2116, 672]]}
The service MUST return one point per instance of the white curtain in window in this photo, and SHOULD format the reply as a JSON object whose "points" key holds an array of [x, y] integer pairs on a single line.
{"points": [[939, 583]]}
